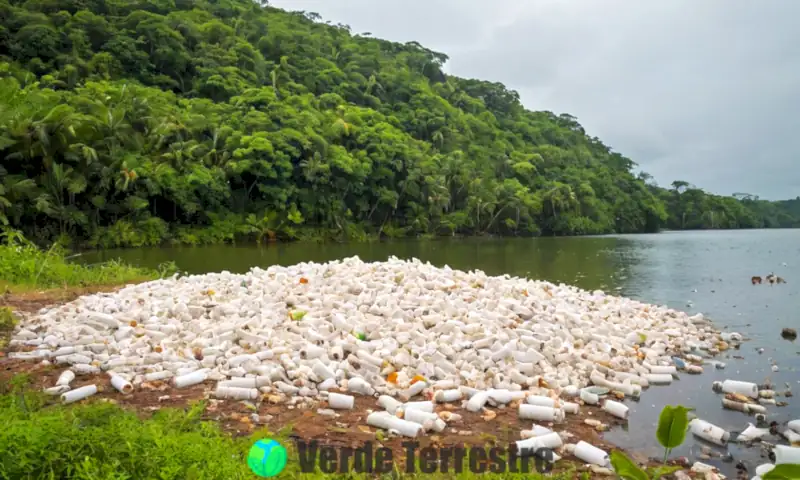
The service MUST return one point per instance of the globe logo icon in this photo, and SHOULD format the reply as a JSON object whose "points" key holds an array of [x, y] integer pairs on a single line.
{"points": [[267, 458]]}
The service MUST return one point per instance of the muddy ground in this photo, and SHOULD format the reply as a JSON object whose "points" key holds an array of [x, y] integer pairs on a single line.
{"points": [[304, 422], [32, 301]]}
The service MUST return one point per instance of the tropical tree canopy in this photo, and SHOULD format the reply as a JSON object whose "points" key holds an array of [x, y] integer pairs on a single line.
{"points": [[128, 123]]}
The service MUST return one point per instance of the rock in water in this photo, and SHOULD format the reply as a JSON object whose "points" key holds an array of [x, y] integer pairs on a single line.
{"points": [[789, 333]]}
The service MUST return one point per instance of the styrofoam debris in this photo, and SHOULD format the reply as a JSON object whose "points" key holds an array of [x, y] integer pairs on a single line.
{"points": [[396, 328]]}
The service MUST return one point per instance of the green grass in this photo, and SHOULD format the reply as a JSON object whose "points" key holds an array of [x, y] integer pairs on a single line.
{"points": [[24, 266], [101, 441], [7, 323]]}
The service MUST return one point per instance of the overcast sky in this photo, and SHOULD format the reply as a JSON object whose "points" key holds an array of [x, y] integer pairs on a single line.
{"points": [[703, 91]]}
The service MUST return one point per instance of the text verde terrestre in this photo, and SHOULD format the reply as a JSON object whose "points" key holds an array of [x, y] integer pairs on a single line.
{"points": [[368, 459]]}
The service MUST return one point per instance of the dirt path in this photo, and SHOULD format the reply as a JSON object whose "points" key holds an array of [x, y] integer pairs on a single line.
{"points": [[33, 301]]}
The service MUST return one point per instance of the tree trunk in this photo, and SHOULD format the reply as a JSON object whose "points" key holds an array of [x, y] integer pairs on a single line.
{"points": [[499, 211], [374, 207], [249, 190]]}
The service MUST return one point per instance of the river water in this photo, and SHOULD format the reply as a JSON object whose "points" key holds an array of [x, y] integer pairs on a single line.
{"points": [[706, 272]]}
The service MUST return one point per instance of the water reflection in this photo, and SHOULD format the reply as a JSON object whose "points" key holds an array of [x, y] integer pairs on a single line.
{"points": [[587, 262]]}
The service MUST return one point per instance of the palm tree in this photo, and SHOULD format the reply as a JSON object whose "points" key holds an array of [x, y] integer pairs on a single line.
{"points": [[13, 189], [58, 180], [44, 138], [217, 155], [561, 197], [314, 168], [267, 226]]}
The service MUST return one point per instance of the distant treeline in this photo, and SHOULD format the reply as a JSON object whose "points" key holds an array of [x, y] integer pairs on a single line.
{"points": [[197, 121], [692, 208]]}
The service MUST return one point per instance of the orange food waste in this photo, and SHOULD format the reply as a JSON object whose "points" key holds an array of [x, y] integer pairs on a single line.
{"points": [[417, 378], [392, 378], [543, 383], [303, 280]]}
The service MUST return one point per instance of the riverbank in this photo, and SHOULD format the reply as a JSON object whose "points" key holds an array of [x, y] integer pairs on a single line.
{"points": [[213, 237], [417, 319], [661, 269], [26, 268], [246, 422], [241, 423], [499, 425]]}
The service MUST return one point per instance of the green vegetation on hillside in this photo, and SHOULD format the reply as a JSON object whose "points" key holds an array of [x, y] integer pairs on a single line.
{"points": [[129, 123]]}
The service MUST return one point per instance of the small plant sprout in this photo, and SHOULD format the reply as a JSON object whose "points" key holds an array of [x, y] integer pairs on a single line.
{"points": [[671, 433], [673, 423]]}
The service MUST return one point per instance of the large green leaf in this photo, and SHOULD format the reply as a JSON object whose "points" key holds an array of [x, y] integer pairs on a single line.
{"points": [[625, 468], [672, 426], [787, 471]]}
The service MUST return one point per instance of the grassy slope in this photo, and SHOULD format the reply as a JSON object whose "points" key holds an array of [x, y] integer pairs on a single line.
{"points": [[25, 267]]}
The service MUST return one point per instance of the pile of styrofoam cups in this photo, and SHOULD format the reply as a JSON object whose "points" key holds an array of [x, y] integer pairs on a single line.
{"points": [[395, 330]]}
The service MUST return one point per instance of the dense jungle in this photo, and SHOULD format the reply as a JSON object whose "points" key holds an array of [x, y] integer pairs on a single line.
{"points": [[135, 123]]}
